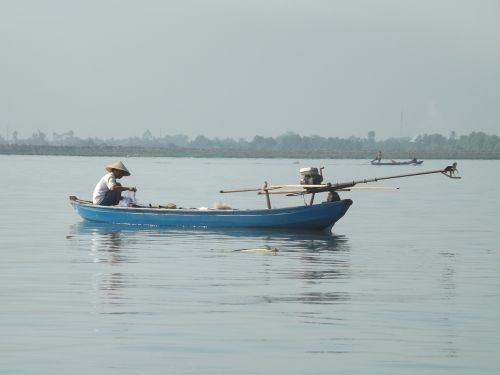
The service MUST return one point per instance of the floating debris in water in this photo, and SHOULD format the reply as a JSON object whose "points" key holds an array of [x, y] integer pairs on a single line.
{"points": [[260, 250]]}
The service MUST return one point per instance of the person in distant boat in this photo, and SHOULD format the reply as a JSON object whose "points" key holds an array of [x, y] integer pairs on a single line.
{"points": [[378, 158], [108, 192]]}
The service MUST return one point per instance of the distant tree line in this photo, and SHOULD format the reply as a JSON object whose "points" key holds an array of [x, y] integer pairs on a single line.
{"points": [[286, 144]]}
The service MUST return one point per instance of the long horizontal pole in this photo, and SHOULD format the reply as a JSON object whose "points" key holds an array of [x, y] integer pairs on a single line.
{"points": [[365, 181], [448, 171], [311, 189], [249, 189], [305, 191]]}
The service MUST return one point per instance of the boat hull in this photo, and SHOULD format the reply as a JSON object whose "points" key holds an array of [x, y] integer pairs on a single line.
{"points": [[316, 217]]}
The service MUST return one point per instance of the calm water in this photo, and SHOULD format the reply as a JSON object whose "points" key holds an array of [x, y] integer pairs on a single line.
{"points": [[407, 283]]}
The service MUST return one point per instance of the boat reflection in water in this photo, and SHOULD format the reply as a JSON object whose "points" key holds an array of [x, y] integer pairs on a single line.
{"points": [[107, 244], [113, 237], [289, 265]]}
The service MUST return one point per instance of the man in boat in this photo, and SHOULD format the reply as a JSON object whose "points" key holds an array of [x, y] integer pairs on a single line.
{"points": [[108, 192], [378, 158]]}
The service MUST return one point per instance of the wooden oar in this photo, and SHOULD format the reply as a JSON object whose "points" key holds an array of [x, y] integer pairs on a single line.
{"points": [[282, 192], [249, 189], [299, 186], [305, 191], [370, 188]]}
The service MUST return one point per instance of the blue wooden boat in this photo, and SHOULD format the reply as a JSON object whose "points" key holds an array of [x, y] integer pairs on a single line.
{"points": [[320, 216]]}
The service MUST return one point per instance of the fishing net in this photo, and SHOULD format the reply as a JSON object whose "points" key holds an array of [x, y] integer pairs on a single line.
{"points": [[128, 199]]}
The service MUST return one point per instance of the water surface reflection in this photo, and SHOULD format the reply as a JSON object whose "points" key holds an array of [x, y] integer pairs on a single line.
{"points": [[116, 236], [293, 266]]}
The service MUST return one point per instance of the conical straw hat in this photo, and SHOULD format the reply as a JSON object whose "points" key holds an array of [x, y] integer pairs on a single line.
{"points": [[118, 165]]}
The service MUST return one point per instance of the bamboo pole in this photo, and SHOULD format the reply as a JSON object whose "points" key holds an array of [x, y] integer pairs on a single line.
{"points": [[449, 171]]}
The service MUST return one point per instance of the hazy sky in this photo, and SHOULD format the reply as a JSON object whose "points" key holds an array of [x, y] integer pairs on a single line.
{"points": [[239, 68]]}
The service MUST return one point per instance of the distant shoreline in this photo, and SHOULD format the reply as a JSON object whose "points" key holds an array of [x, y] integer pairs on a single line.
{"points": [[127, 151]]}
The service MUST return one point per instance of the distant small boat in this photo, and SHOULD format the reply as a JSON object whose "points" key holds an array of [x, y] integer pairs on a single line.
{"points": [[394, 162]]}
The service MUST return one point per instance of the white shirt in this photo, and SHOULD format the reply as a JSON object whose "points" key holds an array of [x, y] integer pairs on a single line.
{"points": [[105, 184]]}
